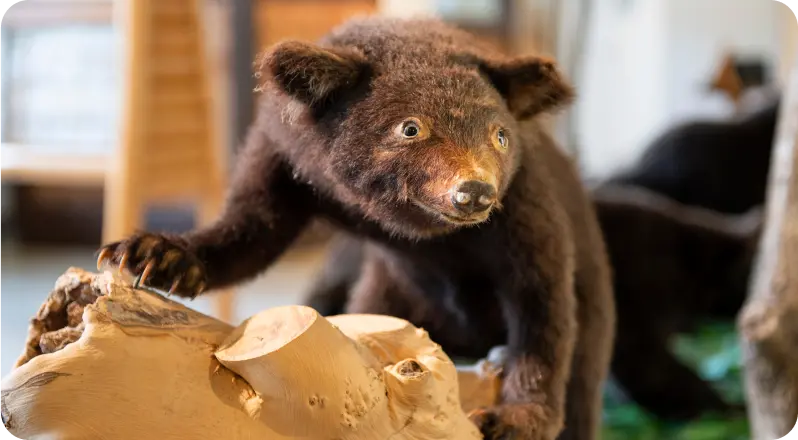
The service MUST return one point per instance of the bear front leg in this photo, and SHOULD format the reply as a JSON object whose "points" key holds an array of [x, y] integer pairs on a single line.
{"points": [[541, 336], [264, 212], [539, 307]]}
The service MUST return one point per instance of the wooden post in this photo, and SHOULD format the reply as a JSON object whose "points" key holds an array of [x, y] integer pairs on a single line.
{"points": [[768, 323], [169, 151]]}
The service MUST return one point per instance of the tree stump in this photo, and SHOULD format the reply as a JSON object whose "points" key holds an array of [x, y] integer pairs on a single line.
{"points": [[768, 323], [105, 360]]}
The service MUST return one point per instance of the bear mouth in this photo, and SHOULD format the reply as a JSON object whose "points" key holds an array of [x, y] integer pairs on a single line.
{"points": [[451, 218]]}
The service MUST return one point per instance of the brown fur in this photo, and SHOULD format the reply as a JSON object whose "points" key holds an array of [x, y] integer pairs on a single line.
{"points": [[674, 264], [530, 271], [720, 165]]}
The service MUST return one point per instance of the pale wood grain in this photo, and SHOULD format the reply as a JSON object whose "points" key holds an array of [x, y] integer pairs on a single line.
{"points": [[769, 320], [139, 365]]}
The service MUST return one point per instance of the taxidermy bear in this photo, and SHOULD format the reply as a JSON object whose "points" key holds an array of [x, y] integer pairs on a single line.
{"points": [[674, 265], [424, 144], [721, 165]]}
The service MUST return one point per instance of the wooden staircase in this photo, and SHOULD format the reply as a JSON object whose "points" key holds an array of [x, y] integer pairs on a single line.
{"points": [[169, 149]]}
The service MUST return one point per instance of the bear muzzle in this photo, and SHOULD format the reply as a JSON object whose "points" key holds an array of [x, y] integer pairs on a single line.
{"points": [[473, 197]]}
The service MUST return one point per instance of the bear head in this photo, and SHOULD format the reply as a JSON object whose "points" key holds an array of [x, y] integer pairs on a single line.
{"points": [[412, 124]]}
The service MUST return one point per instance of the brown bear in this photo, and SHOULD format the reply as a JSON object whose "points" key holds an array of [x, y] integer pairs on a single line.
{"points": [[674, 265], [426, 145]]}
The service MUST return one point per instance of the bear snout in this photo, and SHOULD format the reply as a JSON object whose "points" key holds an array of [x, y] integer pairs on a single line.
{"points": [[473, 196]]}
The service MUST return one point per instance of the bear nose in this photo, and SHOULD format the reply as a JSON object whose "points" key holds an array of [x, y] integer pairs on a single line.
{"points": [[473, 196]]}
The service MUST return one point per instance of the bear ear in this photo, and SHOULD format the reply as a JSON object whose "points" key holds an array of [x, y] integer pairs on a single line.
{"points": [[530, 85], [311, 73]]}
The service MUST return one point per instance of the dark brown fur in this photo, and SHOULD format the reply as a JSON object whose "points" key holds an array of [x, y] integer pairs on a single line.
{"points": [[721, 165], [674, 265], [531, 272]]}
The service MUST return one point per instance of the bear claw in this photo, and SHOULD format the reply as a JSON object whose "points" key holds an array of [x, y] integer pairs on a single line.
{"points": [[105, 254], [157, 261]]}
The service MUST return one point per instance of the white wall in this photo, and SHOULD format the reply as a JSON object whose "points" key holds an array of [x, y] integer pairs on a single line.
{"points": [[649, 63], [621, 95], [698, 32], [407, 8]]}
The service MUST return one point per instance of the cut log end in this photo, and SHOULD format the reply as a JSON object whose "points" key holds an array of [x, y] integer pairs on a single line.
{"points": [[266, 332]]}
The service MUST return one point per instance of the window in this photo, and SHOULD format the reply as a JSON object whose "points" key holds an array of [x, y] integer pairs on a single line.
{"points": [[60, 82], [61, 87]]}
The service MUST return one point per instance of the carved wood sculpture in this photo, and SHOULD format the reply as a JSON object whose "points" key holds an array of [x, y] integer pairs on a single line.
{"points": [[768, 323], [105, 360]]}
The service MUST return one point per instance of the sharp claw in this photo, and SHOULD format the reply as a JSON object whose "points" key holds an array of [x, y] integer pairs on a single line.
{"points": [[475, 412], [175, 285], [146, 273], [102, 257], [198, 290], [123, 261], [137, 282]]}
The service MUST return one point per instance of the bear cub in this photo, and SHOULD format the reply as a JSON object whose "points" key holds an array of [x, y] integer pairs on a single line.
{"points": [[425, 145]]}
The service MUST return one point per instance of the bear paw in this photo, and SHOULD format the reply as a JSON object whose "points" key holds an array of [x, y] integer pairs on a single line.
{"points": [[157, 261], [513, 422]]}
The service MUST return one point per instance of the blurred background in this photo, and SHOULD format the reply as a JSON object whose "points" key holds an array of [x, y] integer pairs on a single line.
{"points": [[117, 117]]}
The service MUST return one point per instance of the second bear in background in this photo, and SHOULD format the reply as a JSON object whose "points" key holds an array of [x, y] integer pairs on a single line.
{"points": [[674, 266], [721, 166]]}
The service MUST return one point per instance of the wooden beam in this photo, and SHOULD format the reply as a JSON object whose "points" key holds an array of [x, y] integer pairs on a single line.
{"points": [[768, 323], [38, 13]]}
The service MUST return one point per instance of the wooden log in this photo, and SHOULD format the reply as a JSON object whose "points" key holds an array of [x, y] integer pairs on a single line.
{"points": [[768, 323], [138, 365]]}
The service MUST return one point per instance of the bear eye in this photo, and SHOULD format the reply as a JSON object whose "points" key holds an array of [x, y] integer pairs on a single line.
{"points": [[410, 129], [502, 138]]}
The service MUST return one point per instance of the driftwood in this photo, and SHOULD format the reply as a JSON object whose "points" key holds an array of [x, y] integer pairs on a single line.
{"points": [[105, 360], [768, 323]]}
